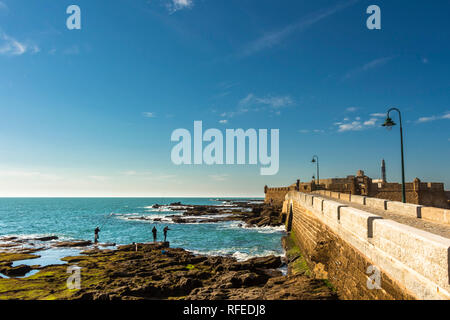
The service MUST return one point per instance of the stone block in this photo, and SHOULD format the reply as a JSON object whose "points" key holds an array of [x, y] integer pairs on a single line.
{"points": [[408, 209]]}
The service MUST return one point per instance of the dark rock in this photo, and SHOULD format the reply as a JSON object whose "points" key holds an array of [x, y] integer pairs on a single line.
{"points": [[46, 238], [18, 271]]}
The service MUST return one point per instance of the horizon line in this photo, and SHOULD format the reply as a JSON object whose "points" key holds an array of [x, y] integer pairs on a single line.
{"points": [[143, 197]]}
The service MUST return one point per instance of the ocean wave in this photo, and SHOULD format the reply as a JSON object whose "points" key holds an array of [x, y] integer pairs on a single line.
{"points": [[239, 255], [166, 208], [242, 225]]}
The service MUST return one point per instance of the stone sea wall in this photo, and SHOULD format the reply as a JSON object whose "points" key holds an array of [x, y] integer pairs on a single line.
{"points": [[365, 256]]}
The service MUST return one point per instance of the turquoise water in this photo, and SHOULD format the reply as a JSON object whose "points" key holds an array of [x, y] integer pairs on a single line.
{"points": [[76, 218]]}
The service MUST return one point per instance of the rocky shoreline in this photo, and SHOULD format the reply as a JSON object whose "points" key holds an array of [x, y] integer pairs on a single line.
{"points": [[155, 271]]}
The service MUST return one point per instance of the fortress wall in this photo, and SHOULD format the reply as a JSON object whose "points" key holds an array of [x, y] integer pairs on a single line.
{"points": [[276, 195], [341, 243]]}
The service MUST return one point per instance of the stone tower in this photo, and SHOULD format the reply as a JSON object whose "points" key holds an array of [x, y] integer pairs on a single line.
{"points": [[383, 171]]}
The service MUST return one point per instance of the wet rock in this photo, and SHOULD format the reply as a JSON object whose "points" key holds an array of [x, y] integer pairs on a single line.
{"points": [[49, 238], [77, 243]]}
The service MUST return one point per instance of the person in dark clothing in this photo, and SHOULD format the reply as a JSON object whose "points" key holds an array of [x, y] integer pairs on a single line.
{"points": [[96, 231], [154, 231], [165, 233]]}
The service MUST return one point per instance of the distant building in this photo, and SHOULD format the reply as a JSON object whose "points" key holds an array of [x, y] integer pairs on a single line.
{"points": [[425, 193]]}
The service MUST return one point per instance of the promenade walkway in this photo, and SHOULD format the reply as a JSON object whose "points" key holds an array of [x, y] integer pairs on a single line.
{"points": [[442, 230]]}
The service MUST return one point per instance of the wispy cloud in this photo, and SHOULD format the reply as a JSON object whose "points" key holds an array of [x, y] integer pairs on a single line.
{"points": [[378, 115], [135, 173], [253, 103], [99, 178], [351, 109], [219, 177], [72, 50], [368, 66], [3, 6], [444, 116], [304, 131], [23, 174], [223, 121], [149, 114], [13, 47], [274, 38]]}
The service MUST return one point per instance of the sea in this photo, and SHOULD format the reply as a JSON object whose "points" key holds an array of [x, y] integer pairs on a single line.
{"points": [[128, 220]]}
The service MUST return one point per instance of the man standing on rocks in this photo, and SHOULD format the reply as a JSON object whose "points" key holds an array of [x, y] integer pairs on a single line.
{"points": [[165, 233], [154, 231], [96, 231]]}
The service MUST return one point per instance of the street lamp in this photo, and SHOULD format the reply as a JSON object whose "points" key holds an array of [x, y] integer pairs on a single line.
{"points": [[389, 123], [315, 159]]}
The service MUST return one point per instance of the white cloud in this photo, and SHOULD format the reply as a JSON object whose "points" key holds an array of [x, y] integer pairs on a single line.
{"points": [[351, 109], [351, 126], [175, 5], [223, 121], [148, 114], [444, 116], [357, 124], [370, 122], [219, 177], [378, 115]]}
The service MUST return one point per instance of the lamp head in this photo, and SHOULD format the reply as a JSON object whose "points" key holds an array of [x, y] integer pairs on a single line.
{"points": [[313, 160], [388, 123]]}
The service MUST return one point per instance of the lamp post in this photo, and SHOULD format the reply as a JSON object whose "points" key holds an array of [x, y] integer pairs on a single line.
{"points": [[315, 159], [389, 123]]}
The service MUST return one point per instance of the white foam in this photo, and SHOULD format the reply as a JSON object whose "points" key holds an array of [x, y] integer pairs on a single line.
{"points": [[237, 254], [266, 229]]}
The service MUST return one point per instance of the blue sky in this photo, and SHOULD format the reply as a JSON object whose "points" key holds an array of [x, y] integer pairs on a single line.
{"points": [[90, 112]]}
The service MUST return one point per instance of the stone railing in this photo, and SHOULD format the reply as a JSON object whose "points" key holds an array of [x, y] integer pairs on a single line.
{"points": [[413, 263], [413, 210]]}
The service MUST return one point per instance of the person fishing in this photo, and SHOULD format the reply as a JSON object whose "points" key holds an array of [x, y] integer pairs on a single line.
{"points": [[165, 233], [154, 231], [96, 231]]}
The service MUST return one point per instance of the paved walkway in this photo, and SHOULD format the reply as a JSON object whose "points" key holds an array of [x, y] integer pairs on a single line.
{"points": [[442, 230]]}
